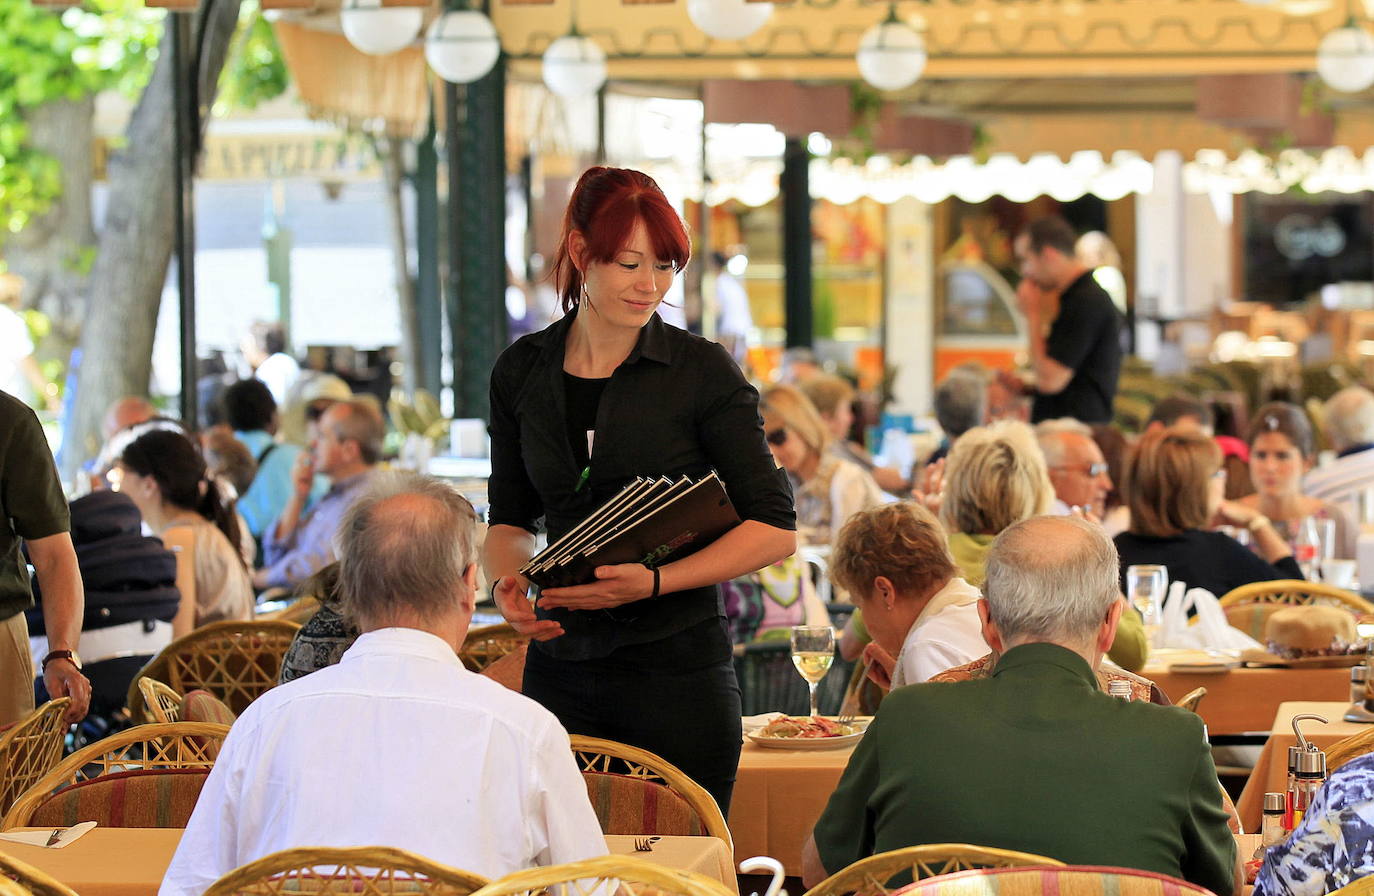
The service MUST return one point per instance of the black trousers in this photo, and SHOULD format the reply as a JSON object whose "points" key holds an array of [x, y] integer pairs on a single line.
{"points": [[677, 697]]}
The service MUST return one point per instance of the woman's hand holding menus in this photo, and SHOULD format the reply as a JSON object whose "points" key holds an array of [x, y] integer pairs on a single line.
{"points": [[615, 585], [511, 599]]}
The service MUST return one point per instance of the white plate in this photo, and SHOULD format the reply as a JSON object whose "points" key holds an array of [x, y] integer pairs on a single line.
{"points": [[810, 743]]}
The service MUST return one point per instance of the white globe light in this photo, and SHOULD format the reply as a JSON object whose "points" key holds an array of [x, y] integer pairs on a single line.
{"points": [[574, 66], [728, 19], [462, 46], [891, 55], [379, 30], [1345, 59]]}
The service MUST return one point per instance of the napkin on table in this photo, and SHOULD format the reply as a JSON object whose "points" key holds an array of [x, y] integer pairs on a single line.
{"points": [[40, 838]]}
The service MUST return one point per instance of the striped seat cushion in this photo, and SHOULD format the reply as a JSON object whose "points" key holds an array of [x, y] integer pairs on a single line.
{"points": [[202, 706], [142, 798], [626, 805], [1067, 880]]}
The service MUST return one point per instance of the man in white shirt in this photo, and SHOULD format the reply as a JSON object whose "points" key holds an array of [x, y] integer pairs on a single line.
{"points": [[398, 744], [923, 618], [1349, 425]]}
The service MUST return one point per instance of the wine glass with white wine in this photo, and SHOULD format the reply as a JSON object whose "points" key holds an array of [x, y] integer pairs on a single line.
{"points": [[813, 650]]}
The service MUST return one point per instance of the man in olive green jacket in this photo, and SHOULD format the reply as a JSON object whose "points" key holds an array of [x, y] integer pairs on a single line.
{"points": [[1036, 758]]}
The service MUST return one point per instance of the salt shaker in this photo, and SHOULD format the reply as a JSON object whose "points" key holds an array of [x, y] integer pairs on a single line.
{"points": [[1271, 823], [1118, 687]]}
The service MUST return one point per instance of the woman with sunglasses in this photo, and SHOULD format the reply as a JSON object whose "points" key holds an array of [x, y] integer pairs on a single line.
{"points": [[829, 488], [607, 393], [1175, 484]]}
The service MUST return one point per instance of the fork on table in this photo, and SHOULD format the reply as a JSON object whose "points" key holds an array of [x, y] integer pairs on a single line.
{"points": [[645, 844]]}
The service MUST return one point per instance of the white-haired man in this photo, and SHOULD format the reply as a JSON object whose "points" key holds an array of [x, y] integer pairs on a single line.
{"points": [[397, 744], [1349, 426], [1035, 758], [1077, 468]]}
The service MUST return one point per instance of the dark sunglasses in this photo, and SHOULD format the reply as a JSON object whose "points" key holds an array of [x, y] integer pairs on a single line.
{"points": [[777, 437]]}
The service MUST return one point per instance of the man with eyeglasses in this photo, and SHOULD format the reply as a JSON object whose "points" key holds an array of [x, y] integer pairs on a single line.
{"points": [[1078, 470]]}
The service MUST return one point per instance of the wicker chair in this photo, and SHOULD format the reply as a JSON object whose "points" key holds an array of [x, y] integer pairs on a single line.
{"points": [[1081, 880], [235, 661], [162, 703], [298, 611], [872, 876], [487, 644], [624, 783], [1190, 700], [30, 879], [358, 871], [118, 765], [1249, 606], [1353, 747], [596, 877], [30, 749], [1362, 887]]}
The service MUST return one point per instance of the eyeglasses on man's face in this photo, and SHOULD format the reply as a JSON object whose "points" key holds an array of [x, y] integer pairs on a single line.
{"points": [[1092, 470]]}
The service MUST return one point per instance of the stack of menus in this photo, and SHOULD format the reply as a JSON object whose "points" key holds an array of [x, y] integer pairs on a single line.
{"points": [[649, 521]]}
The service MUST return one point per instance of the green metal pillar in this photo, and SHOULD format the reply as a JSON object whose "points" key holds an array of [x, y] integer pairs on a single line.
{"points": [[428, 290], [475, 133], [277, 240], [795, 187]]}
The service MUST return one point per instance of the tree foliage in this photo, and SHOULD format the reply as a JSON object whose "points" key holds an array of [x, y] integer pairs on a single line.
{"points": [[48, 55], [255, 71]]}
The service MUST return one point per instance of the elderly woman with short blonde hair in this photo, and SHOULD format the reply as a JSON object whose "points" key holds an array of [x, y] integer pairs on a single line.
{"points": [[996, 477]]}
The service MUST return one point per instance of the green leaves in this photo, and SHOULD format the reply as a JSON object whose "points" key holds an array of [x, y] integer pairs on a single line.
{"points": [[255, 71], [48, 55]]}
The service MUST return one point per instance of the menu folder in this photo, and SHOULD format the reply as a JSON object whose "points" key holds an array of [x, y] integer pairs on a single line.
{"points": [[671, 524]]}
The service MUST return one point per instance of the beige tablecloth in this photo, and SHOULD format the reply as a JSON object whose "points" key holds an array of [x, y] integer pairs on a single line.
{"points": [[704, 855], [1271, 769], [778, 796], [1245, 700], [132, 861]]}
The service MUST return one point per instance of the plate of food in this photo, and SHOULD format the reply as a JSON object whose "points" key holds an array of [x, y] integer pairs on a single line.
{"points": [[807, 733]]}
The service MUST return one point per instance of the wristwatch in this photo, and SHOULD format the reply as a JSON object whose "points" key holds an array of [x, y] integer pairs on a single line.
{"points": [[62, 655], [1258, 523]]}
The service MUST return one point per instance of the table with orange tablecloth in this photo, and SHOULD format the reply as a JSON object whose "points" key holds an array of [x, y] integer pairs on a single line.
{"points": [[778, 796], [1245, 700], [132, 861], [1271, 769]]}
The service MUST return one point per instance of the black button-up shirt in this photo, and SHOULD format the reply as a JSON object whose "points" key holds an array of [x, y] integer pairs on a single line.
{"points": [[678, 405]]}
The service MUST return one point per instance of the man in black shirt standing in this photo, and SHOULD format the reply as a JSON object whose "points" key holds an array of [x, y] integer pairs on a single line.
{"points": [[1077, 364]]}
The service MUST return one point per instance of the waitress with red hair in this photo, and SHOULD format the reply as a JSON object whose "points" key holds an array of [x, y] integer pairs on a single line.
{"points": [[607, 393]]}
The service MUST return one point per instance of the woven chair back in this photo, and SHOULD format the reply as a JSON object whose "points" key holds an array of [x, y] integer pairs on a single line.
{"points": [[620, 875], [298, 611], [624, 782], [1353, 747], [882, 873], [161, 702], [30, 879], [31, 748], [1362, 887], [487, 644], [357, 871], [1190, 700], [235, 661], [176, 745], [1080, 880]]}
